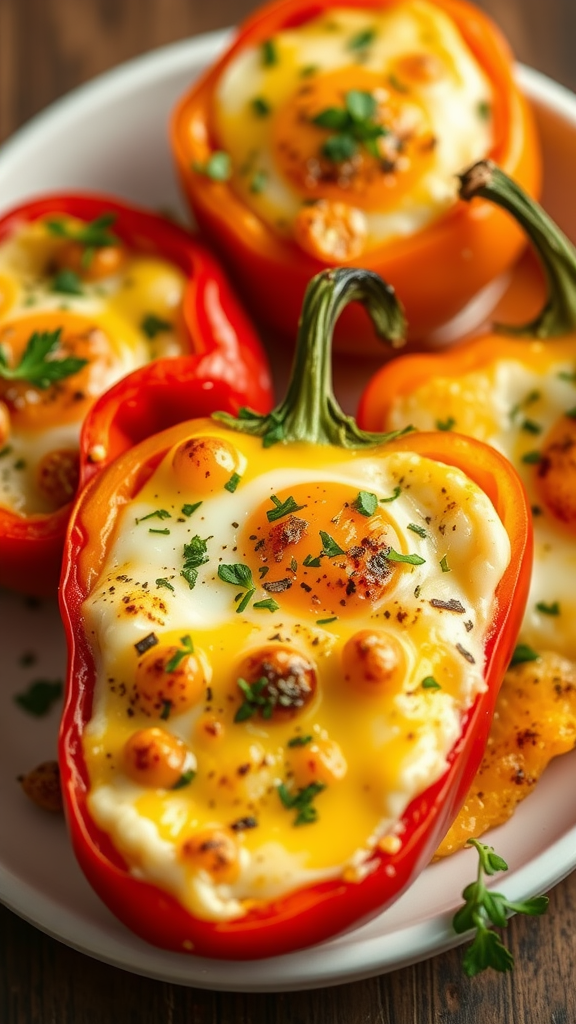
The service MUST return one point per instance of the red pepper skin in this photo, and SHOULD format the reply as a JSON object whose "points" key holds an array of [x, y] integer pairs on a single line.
{"points": [[226, 368], [436, 271], [314, 913]]}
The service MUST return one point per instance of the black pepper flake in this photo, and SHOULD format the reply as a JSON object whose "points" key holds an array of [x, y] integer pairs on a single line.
{"points": [[146, 643], [466, 654], [450, 606], [243, 823], [277, 586], [306, 587]]}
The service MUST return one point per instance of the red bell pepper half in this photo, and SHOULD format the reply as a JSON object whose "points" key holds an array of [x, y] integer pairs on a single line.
{"points": [[226, 367], [314, 912]]}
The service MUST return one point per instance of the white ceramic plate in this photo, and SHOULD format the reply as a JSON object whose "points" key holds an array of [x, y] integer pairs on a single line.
{"points": [[112, 136]]}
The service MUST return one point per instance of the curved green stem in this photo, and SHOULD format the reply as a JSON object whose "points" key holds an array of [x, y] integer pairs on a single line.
{"points": [[555, 252], [310, 412]]}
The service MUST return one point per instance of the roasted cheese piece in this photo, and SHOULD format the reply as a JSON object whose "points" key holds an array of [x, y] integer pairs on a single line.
{"points": [[94, 312], [286, 648]]}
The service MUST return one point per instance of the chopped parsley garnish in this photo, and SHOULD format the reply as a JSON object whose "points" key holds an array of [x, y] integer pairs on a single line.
{"points": [[260, 106], [152, 325], [325, 622], [195, 555], [568, 375], [269, 53], [444, 564], [232, 483], [396, 556], [159, 513], [263, 570], [40, 696], [37, 365], [366, 503], [254, 700], [531, 427], [187, 510], [301, 801], [20, 464], [179, 655], [548, 609], [417, 529], [238, 574], [166, 709], [146, 643], [429, 683], [299, 741], [362, 39], [67, 282], [532, 458], [247, 597], [522, 654], [354, 125], [448, 424], [93, 235], [311, 562], [484, 110], [258, 182], [165, 531], [269, 604], [395, 494], [163, 582], [185, 779], [282, 508], [308, 69], [330, 547], [218, 167], [482, 908]]}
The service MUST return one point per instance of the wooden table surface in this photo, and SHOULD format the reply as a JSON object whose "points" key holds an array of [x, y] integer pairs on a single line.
{"points": [[48, 47]]}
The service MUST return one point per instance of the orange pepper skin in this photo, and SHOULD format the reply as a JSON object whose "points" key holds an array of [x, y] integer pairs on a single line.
{"points": [[225, 367], [437, 271], [316, 912]]}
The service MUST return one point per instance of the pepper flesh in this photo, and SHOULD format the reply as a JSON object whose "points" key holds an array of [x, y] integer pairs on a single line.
{"points": [[436, 271], [313, 912], [226, 368]]}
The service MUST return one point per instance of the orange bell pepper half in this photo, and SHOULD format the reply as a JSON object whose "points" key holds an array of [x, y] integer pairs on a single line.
{"points": [[436, 270], [278, 709]]}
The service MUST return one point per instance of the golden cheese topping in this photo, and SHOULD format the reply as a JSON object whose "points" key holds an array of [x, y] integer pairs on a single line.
{"points": [[350, 129], [525, 408], [108, 310], [285, 645]]}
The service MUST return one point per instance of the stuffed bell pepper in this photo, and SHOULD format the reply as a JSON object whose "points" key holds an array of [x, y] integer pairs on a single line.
{"points": [[90, 289], [286, 638], [518, 394], [332, 133]]}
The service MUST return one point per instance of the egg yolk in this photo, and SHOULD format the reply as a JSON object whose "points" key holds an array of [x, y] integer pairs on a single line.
{"points": [[556, 471], [168, 681], [275, 681], [312, 546], [154, 757], [66, 400], [205, 464], [373, 661], [353, 135]]}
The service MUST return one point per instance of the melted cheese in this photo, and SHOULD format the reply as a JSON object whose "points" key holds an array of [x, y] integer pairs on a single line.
{"points": [[513, 405], [432, 100], [386, 747], [110, 312]]}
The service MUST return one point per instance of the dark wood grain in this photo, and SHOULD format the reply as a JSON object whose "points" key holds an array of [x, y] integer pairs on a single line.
{"points": [[48, 47]]}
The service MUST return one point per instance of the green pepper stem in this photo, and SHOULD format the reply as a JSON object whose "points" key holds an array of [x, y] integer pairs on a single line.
{"points": [[310, 411], [556, 253]]}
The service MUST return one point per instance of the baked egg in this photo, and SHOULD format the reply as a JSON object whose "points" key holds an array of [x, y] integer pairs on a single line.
{"points": [[284, 657]]}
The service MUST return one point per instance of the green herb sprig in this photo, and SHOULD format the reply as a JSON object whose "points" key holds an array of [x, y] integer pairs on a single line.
{"points": [[301, 802], [484, 908], [38, 365], [93, 235], [354, 125]]}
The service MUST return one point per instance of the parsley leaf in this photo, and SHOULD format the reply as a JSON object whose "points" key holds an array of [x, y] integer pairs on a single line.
{"points": [[483, 908], [522, 654], [301, 801], [179, 655], [330, 547], [269, 604], [238, 574], [396, 556], [282, 508], [152, 325], [37, 365], [195, 555], [40, 696], [67, 282], [93, 235], [366, 503]]}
